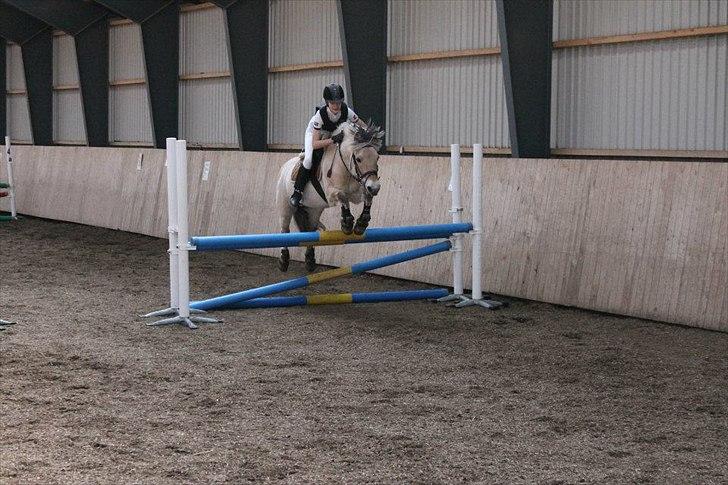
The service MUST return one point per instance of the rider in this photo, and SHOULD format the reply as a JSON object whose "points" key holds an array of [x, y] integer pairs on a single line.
{"points": [[318, 135]]}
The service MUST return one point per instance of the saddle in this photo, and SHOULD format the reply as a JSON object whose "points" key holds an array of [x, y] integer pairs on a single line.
{"points": [[316, 169], [315, 178]]}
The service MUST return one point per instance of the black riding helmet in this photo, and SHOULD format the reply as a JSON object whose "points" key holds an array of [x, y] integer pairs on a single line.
{"points": [[334, 92]]}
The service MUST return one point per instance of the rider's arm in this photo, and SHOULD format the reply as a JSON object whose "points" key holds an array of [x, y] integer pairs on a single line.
{"points": [[318, 142], [355, 119], [314, 131]]}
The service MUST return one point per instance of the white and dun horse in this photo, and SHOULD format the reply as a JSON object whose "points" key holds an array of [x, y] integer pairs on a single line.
{"points": [[348, 174]]}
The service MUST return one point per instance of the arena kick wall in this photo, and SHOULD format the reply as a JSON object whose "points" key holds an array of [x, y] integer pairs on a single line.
{"points": [[638, 238]]}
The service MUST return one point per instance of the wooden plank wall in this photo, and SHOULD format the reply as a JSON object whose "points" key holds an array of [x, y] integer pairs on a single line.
{"points": [[646, 239]]}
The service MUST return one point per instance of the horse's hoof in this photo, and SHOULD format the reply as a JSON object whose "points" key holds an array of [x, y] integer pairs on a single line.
{"points": [[359, 228], [347, 225], [311, 266], [284, 260], [362, 223]]}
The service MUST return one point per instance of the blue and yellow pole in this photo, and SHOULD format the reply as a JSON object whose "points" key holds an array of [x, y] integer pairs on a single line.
{"points": [[296, 283], [328, 238], [338, 299]]}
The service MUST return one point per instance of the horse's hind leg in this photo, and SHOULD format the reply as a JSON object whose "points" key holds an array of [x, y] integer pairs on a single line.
{"points": [[285, 257], [310, 259], [284, 260], [314, 216]]}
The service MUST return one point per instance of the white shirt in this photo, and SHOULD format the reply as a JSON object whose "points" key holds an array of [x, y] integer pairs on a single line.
{"points": [[316, 122]]}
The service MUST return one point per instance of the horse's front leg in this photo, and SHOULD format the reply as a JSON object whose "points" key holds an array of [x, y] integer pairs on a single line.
{"points": [[347, 218], [285, 257], [363, 221]]}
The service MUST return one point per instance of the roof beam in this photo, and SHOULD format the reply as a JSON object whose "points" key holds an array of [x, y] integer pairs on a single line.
{"points": [[246, 22], [34, 37], [38, 68], [88, 23], [363, 26], [3, 92], [92, 54], [70, 16], [17, 26], [159, 21], [525, 31], [137, 11]]}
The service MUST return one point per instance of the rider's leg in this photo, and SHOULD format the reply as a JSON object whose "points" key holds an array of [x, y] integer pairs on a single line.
{"points": [[303, 171], [304, 174], [301, 180]]}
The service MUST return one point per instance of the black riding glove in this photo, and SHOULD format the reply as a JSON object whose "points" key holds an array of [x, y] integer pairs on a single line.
{"points": [[338, 138]]}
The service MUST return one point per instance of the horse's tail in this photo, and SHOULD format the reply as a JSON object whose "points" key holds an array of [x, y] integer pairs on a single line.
{"points": [[300, 216]]}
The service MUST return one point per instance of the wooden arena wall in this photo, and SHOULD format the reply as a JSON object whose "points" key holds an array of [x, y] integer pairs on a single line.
{"points": [[639, 238]]}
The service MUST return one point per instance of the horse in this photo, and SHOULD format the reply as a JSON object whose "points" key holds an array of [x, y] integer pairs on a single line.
{"points": [[352, 177]]}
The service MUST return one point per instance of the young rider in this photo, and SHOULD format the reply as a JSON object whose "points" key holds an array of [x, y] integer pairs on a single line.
{"points": [[318, 135]]}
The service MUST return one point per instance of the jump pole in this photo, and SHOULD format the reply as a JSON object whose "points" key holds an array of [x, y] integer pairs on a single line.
{"points": [[476, 298], [338, 299], [327, 238], [226, 301], [11, 183]]}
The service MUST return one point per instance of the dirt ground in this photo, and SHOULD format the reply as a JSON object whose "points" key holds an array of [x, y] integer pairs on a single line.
{"points": [[405, 393]]}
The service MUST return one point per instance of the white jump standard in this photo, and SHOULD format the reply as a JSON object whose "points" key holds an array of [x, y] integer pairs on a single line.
{"points": [[10, 184], [179, 247], [476, 298]]}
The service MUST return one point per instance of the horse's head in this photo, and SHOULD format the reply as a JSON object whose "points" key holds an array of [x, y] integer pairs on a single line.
{"points": [[361, 146]]}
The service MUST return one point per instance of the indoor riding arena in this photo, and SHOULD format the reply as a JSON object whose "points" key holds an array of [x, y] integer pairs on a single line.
{"points": [[539, 296]]}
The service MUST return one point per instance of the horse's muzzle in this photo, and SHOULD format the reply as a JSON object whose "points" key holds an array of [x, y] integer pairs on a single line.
{"points": [[373, 187]]}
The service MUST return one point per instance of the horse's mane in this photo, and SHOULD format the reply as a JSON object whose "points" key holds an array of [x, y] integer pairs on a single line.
{"points": [[360, 137]]}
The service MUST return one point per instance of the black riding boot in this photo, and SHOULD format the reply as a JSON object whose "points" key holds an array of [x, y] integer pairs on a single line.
{"points": [[300, 184]]}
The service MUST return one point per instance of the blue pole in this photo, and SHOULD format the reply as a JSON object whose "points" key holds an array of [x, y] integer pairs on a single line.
{"points": [[227, 300], [378, 234], [377, 297]]}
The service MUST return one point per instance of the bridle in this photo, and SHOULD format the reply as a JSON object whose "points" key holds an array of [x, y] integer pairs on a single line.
{"points": [[356, 174]]}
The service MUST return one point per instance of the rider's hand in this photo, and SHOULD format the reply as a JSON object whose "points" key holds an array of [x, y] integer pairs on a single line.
{"points": [[338, 138]]}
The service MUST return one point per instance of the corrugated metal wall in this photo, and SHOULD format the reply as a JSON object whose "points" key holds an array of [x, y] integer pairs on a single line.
{"points": [[68, 118], [577, 19], [438, 102], [300, 33], [660, 95], [207, 106], [18, 114], [129, 117], [666, 94]]}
